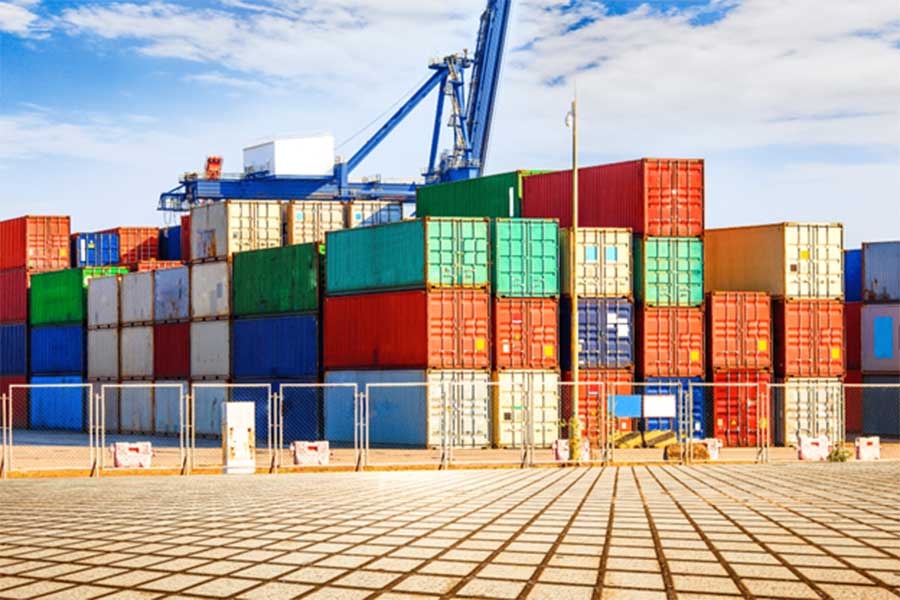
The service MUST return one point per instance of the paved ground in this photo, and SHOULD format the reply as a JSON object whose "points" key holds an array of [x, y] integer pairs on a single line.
{"points": [[787, 531]]}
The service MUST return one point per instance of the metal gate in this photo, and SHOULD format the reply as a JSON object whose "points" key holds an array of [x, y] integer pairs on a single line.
{"points": [[877, 406], [490, 423], [647, 422], [806, 406], [739, 424]]}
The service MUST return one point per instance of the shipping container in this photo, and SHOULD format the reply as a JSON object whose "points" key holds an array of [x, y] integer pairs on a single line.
{"points": [[366, 213], [170, 407], [172, 295], [881, 271], [110, 395], [808, 406], [211, 290], [95, 249], [13, 348], [58, 350], [740, 331], [667, 386], [410, 255], [103, 301], [604, 262], [172, 350], [654, 197], [186, 237], [525, 333], [136, 243], [210, 350], [668, 271], [19, 399], [494, 196], [136, 409], [408, 330], [881, 406], [155, 265], [36, 244], [284, 347], [170, 243], [881, 338], [220, 229], [301, 404], [137, 298], [307, 156], [58, 403], [853, 402], [61, 296], [525, 258], [136, 344], [593, 388], [308, 221], [670, 342], [786, 260], [853, 335], [518, 393], [14, 284], [208, 403], [738, 407], [277, 280], [103, 354], [809, 338], [405, 416], [605, 333], [853, 286]]}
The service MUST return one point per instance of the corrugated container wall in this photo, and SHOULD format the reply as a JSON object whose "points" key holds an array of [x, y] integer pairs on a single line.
{"points": [[211, 290], [220, 229], [136, 408], [103, 354], [653, 197], [786, 260], [277, 280], [14, 284], [13, 349], [881, 272], [853, 402], [366, 213], [539, 392], [668, 271], [881, 405], [169, 406], [210, 349], [172, 350], [494, 196], [36, 244], [60, 408], [679, 387], [61, 297], [594, 387], [604, 262], [136, 244], [409, 255], [170, 243], [186, 237], [172, 294], [525, 333], [809, 338], [58, 350], [670, 342], [605, 333], [103, 302], [17, 397], [95, 249], [740, 331], [881, 338], [739, 408], [276, 347], [853, 286], [208, 405], [137, 296], [309, 221], [811, 406], [525, 258], [853, 335], [136, 345]]}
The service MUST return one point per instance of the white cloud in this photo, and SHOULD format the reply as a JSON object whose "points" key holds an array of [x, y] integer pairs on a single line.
{"points": [[15, 18]]}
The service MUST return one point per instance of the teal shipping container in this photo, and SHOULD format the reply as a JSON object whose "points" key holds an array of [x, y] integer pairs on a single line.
{"points": [[668, 271], [495, 196], [422, 254], [525, 258]]}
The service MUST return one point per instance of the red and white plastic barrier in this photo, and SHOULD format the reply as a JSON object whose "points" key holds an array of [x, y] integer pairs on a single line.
{"points": [[813, 448], [311, 454], [131, 455], [868, 448], [561, 451]]}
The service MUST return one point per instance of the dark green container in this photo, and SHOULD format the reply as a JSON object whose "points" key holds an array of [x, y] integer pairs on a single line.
{"points": [[525, 258], [60, 297], [494, 196], [277, 280], [668, 271]]}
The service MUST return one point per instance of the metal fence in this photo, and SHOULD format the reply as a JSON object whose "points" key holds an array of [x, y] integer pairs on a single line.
{"points": [[207, 401], [739, 425]]}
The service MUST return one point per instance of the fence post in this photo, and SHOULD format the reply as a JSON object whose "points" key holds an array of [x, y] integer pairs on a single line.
{"points": [[3, 436]]}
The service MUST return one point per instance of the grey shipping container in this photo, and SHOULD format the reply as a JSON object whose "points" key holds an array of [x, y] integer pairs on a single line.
{"points": [[172, 292], [881, 405], [881, 271], [136, 408], [880, 340], [168, 407], [136, 293], [110, 396]]}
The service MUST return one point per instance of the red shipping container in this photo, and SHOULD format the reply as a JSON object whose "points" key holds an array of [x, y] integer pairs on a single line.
{"points": [[186, 237], [739, 326], [853, 404], [14, 295], [853, 335], [654, 197], [156, 265], [19, 399], [172, 351], [37, 244], [439, 329], [809, 338], [526, 333], [136, 244], [740, 412], [670, 342], [592, 399]]}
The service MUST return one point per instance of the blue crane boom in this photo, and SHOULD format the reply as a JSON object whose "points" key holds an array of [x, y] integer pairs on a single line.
{"points": [[470, 120]]}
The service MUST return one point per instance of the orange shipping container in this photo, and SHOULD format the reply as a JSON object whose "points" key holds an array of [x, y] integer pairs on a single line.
{"points": [[37, 244], [809, 338], [740, 408], [525, 333], [740, 331], [597, 384], [670, 342], [136, 244]]}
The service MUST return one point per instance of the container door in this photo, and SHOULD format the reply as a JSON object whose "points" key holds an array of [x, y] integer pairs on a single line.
{"points": [[814, 261]]}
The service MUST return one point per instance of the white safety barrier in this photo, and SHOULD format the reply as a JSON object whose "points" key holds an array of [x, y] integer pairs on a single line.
{"points": [[813, 448], [132, 455], [868, 448], [713, 446], [562, 451], [311, 454]]}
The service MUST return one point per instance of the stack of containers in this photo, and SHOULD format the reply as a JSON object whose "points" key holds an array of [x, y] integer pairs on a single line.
{"points": [[662, 202], [802, 266], [103, 339], [853, 291], [881, 338], [136, 351], [409, 303], [276, 330], [171, 344], [28, 245]]}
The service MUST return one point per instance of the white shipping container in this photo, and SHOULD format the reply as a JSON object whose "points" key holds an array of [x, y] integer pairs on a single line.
{"points": [[169, 407], [604, 262], [516, 392], [210, 349], [137, 297], [136, 352], [309, 220], [366, 213], [312, 155], [110, 396], [210, 290], [809, 406], [103, 353], [103, 302], [172, 294], [220, 229], [136, 401]]}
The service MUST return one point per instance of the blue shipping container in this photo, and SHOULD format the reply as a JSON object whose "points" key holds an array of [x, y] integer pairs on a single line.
{"points": [[58, 407], [302, 405], [853, 275], [14, 349], [170, 243], [881, 271], [58, 350], [95, 249], [276, 347], [666, 386], [605, 333]]}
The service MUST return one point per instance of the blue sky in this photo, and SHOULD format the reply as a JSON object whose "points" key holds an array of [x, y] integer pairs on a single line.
{"points": [[795, 104]]}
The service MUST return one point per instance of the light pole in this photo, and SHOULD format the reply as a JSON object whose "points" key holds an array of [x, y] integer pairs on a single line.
{"points": [[575, 419]]}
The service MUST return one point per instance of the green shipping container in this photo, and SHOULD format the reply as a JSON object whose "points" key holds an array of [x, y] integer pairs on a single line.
{"points": [[277, 280], [525, 258], [421, 254], [668, 271], [494, 196], [60, 297]]}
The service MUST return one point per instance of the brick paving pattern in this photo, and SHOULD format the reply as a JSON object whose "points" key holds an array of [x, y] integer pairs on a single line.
{"points": [[787, 531]]}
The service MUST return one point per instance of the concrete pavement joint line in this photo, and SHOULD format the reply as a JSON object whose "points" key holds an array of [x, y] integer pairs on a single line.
{"points": [[600, 583], [657, 542]]}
